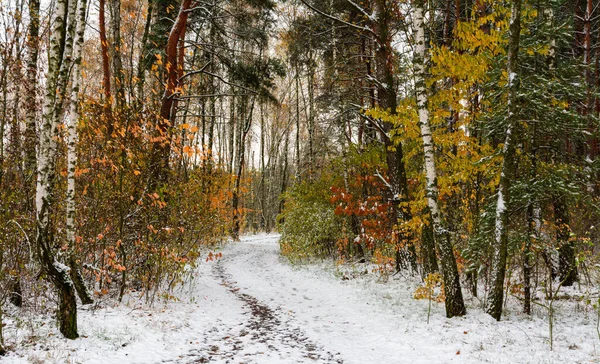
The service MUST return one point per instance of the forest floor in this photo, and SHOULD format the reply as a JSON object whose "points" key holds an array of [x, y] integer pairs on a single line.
{"points": [[252, 306]]}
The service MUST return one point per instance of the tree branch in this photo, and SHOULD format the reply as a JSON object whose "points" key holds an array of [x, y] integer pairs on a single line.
{"points": [[329, 16]]}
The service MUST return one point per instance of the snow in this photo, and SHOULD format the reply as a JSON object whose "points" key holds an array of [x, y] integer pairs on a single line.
{"points": [[252, 306], [500, 208], [61, 268], [511, 79]]}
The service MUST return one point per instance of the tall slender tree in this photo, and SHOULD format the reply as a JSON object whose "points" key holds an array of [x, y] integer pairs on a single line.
{"points": [[454, 300], [500, 246], [56, 271]]}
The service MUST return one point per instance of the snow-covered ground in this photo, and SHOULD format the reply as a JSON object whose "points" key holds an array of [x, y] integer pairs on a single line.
{"points": [[251, 306]]}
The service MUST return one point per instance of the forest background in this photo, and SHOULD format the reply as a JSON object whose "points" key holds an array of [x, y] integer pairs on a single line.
{"points": [[457, 140]]}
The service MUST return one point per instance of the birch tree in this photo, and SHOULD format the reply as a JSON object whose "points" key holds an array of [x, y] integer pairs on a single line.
{"points": [[73, 118], [57, 272], [33, 31], [454, 300]]}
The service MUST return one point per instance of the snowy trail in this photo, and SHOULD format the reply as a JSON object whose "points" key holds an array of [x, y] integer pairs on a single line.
{"points": [[324, 307], [269, 335], [343, 318], [253, 307], [294, 315], [303, 314]]}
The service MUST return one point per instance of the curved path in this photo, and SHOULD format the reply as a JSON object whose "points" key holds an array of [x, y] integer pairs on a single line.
{"points": [[252, 307], [289, 314]]}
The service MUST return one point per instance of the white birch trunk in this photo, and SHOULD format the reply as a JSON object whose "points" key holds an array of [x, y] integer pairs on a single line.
{"points": [[31, 99], [426, 136], [49, 125], [72, 126], [73, 118], [57, 272], [454, 300]]}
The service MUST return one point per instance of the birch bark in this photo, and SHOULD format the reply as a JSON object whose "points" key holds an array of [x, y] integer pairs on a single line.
{"points": [[31, 90], [454, 300], [73, 118], [57, 272]]}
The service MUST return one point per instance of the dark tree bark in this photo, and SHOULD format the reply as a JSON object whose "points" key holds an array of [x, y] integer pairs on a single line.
{"points": [[143, 59], [67, 305], [16, 294], [430, 264], [244, 128], [297, 143], [386, 99], [79, 283], [311, 115], [105, 68], [263, 189], [161, 150], [117, 63], [500, 247], [527, 260], [567, 267], [2, 350]]}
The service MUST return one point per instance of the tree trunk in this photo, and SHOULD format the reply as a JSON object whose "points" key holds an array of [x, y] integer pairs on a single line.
{"points": [[45, 204], [82, 291], [244, 129], [231, 133], [117, 63], [2, 350], [16, 294], [263, 193], [3, 84], [428, 254], [533, 226], [454, 300], [529, 242], [57, 272], [75, 274], [213, 104], [284, 173], [142, 60], [31, 92], [567, 266], [67, 305], [386, 98], [311, 117], [297, 144], [500, 246], [161, 150], [105, 69]]}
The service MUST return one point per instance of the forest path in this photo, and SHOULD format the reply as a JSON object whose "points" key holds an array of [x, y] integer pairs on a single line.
{"points": [[302, 315], [262, 310], [270, 334], [253, 307]]}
